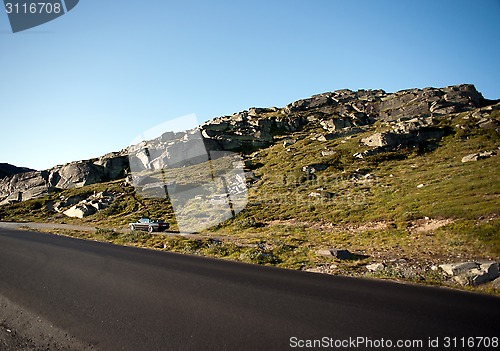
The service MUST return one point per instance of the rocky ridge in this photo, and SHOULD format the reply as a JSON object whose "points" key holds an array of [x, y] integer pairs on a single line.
{"points": [[410, 117], [7, 170]]}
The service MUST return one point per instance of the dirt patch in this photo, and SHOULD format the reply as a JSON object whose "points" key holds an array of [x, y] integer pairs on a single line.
{"points": [[426, 225], [352, 228]]}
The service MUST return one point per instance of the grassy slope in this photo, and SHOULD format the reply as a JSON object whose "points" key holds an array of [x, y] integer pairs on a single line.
{"points": [[378, 215]]}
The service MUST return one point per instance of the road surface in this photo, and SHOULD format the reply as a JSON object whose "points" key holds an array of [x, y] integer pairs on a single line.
{"points": [[120, 298]]}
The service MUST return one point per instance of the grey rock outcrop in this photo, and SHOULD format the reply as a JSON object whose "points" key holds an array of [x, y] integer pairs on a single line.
{"points": [[429, 101], [32, 184], [76, 175], [7, 170], [114, 165], [405, 133], [24, 186], [245, 131]]}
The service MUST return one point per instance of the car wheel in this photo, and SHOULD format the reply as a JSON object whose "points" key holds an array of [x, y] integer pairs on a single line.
{"points": [[151, 229]]}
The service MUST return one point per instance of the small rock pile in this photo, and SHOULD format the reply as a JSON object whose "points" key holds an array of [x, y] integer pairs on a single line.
{"points": [[84, 207]]}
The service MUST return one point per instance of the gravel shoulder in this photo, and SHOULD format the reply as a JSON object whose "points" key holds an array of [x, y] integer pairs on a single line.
{"points": [[33, 225], [22, 330]]}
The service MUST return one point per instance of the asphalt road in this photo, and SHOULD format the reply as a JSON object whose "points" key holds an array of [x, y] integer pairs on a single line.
{"points": [[120, 298]]}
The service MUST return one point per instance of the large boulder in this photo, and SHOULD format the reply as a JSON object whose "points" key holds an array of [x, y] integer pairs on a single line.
{"points": [[115, 165], [76, 175], [16, 196], [472, 273], [80, 211], [382, 139]]}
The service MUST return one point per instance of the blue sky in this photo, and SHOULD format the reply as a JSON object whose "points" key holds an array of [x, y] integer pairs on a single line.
{"points": [[88, 82]]}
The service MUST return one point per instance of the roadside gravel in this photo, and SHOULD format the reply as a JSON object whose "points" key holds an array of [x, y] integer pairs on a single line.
{"points": [[22, 330], [33, 225]]}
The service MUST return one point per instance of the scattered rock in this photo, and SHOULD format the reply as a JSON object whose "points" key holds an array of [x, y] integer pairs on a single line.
{"points": [[375, 267], [325, 153], [472, 277], [492, 268], [478, 156], [288, 142], [496, 284], [337, 253], [88, 206], [323, 137], [336, 124], [314, 168], [457, 268], [324, 252]]}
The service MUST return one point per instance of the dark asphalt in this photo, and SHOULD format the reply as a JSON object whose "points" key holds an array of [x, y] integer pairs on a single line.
{"points": [[121, 298]]}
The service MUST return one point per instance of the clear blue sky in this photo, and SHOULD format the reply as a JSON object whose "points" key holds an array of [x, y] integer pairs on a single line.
{"points": [[88, 82]]}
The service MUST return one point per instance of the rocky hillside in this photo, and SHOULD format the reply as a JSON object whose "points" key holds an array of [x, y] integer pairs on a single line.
{"points": [[414, 116], [398, 185], [7, 170]]}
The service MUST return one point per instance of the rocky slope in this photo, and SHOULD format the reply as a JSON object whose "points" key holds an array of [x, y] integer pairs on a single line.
{"points": [[401, 186], [413, 117], [7, 170]]}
